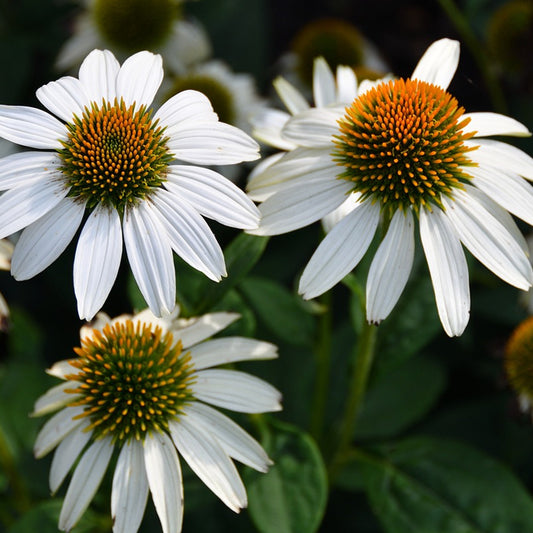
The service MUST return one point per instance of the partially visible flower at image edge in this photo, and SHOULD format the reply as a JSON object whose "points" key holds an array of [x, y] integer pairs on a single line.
{"points": [[113, 158], [142, 385], [408, 153]]}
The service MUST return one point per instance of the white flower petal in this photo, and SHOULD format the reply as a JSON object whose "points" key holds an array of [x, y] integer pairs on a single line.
{"points": [[139, 78], [61, 369], [439, 63], [56, 429], [488, 240], [390, 267], [98, 74], [485, 124], [214, 196], [340, 250], [130, 488], [164, 477], [313, 128], [97, 260], [66, 454], [290, 96], [330, 220], [232, 438], [324, 90], [24, 167], [150, 256], [346, 85], [267, 125], [448, 270], [260, 195], [43, 241], [189, 234], [85, 482], [64, 98], [185, 109], [54, 398], [31, 127], [236, 390], [23, 205], [213, 143], [194, 330], [209, 462], [230, 350]]}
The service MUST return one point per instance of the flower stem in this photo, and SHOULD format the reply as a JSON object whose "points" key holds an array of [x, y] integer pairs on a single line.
{"points": [[479, 54]]}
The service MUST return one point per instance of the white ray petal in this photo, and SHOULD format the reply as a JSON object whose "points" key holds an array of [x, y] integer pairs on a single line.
{"points": [[130, 488], [340, 250], [23, 205], [139, 78], [267, 125], [236, 442], [486, 124], [66, 454], [324, 89], [43, 241], [448, 270], [194, 330], [64, 98], [236, 390], [290, 96], [25, 167], [97, 260], [313, 128], [331, 219], [150, 256], [61, 369], [439, 63], [164, 477], [209, 462], [346, 85], [31, 127], [390, 267], [98, 74], [85, 482], [189, 234], [214, 196], [259, 195], [231, 350], [54, 398]]}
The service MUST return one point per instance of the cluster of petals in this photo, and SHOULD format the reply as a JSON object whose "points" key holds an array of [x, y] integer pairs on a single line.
{"points": [[201, 435], [302, 186], [170, 218]]}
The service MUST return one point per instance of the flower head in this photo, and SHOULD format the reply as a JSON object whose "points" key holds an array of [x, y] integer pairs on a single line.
{"points": [[142, 385], [404, 151], [112, 157]]}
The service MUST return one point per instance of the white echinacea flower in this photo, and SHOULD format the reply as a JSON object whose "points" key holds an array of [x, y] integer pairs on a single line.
{"points": [[142, 385], [111, 157], [411, 155]]}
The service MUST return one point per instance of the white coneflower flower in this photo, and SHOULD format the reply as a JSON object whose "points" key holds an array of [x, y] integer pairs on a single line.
{"points": [[111, 157], [142, 386], [129, 26], [410, 154]]}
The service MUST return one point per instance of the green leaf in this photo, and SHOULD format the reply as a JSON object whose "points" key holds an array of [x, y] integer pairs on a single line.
{"points": [[426, 485], [291, 497], [280, 310], [401, 397]]}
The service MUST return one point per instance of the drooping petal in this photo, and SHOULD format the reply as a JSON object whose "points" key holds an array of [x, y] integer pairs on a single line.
{"points": [[236, 390], [324, 90], [488, 240], [230, 350], [64, 98], [164, 478], [439, 63], [85, 482], [130, 488], [290, 96], [54, 398], [232, 438], [209, 462], [448, 269], [43, 241], [390, 267], [189, 234], [23, 168], [97, 260], [214, 196], [267, 125], [194, 330], [31, 127], [98, 74], [486, 124], [340, 250], [150, 256], [139, 78], [23, 205], [313, 128]]}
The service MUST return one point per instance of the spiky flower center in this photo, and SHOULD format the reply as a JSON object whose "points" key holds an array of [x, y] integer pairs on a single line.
{"points": [[135, 25], [132, 380], [519, 360], [401, 144], [114, 154]]}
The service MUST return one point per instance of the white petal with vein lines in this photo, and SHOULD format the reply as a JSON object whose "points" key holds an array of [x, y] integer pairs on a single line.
{"points": [[194, 330], [54, 398], [290, 96], [64, 98], [185, 108], [25, 167], [439, 63], [98, 73], [313, 128], [486, 124], [324, 89]]}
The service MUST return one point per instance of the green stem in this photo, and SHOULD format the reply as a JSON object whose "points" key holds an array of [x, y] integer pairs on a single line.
{"points": [[323, 364], [467, 35]]}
